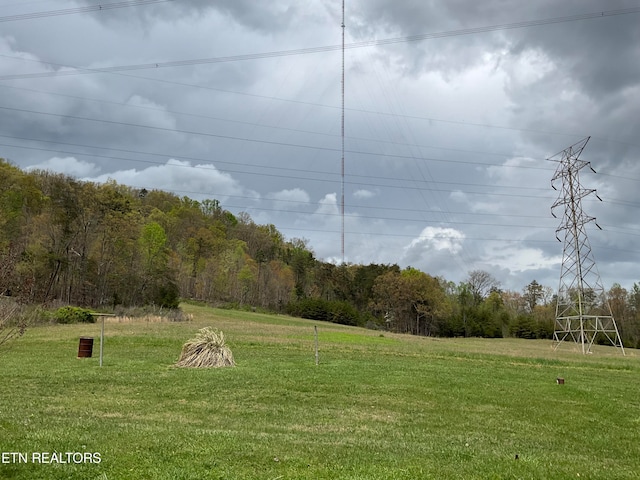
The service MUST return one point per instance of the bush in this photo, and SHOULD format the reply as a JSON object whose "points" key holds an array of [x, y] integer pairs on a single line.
{"points": [[524, 327], [148, 311], [73, 315], [329, 311], [166, 295], [343, 313], [545, 328]]}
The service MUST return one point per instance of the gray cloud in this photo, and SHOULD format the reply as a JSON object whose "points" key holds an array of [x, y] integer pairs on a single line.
{"points": [[446, 139]]}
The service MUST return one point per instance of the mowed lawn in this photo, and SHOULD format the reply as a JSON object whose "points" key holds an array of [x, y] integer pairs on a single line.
{"points": [[378, 406]]}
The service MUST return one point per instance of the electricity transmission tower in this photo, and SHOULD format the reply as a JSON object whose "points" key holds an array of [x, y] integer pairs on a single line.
{"points": [[583, 313]]}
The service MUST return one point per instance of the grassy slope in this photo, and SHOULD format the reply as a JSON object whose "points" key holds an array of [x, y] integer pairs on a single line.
{"points": [[377, 407]]}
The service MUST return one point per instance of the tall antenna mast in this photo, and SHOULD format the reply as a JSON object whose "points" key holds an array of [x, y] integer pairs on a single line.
{"points": [[342, 136], [583, 313]]}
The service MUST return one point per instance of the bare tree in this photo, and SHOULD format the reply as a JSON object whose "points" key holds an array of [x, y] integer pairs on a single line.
{"points": [[480, 284]]}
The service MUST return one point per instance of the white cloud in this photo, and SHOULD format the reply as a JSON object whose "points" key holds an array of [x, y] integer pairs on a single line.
{"points": [[437, 251], [437, 238], [517, 258], [68, 166], [328, 204], [363, 194], [290, 198], [182, 178], [459, 196]]}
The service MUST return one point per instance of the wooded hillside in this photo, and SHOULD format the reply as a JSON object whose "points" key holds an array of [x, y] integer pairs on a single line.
{"points": [[104, 245]]}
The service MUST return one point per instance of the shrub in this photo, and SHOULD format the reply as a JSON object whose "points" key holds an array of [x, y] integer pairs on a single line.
{"points": [[545, 328], [329, 311], [148, 311], [166, 295], [343, 313], [73, 315], [524, 327]]}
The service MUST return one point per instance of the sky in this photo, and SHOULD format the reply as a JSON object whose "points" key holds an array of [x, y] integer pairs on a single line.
{"points": [[452, 110]]}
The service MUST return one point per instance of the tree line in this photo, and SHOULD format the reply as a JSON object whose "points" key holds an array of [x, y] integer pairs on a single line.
{"points": [[109, 245]]}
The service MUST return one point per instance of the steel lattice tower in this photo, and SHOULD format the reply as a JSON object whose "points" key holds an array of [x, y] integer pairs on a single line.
{"points": [[583, 313]]}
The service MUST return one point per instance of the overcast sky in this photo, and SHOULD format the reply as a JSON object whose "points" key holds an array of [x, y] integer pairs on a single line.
{"points": [[447, 136]]}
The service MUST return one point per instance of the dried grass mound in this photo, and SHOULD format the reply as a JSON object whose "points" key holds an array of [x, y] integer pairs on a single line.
{"points": [[206, 350]]}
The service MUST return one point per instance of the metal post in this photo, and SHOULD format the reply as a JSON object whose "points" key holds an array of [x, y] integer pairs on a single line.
{"points": [[102, 331], [101, 340], [317, 354]]}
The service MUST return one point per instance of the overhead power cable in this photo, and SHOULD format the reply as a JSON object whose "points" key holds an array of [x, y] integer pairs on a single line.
{"points": [[378, 234], [313, 104], [265, 142], [307, 171], [262, 125], [294, 177], [327, 48], [79, 70], [71, 11], [314, 178], [268, 142]]}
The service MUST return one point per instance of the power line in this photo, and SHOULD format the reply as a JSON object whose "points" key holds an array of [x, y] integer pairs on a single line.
{"points": [[314, 147], [269, 167], [71, 11], [380, 234], [376, 154], [311, 132], [253, 207], [461, 258], [600, 14], [320, 105], [266, 142], [328, 48], [262, 174], [366, 184], [292, 145]]}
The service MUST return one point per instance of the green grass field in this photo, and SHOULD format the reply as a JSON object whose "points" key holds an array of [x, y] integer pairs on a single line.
{"points": [[378, 406]]}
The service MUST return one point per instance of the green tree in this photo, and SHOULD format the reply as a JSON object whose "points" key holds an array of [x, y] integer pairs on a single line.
{"points": [[152, 246], [20, 202], [533, 294], [297, 254], [412, 301], [620, 302], [158, 285]]}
